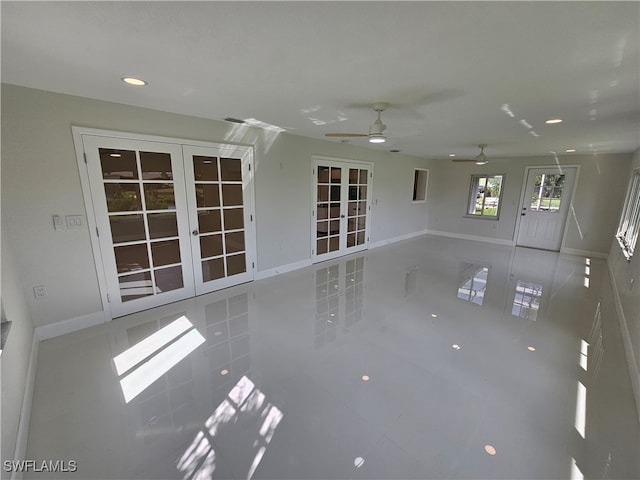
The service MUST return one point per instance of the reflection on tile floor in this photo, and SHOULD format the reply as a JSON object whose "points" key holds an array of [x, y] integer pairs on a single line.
{"points": [[430, 358]]}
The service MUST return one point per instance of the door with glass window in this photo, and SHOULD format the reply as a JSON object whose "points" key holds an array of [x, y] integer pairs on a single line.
{"points": [[543, 213], [341, 209], [172, 220], [218, 200]]}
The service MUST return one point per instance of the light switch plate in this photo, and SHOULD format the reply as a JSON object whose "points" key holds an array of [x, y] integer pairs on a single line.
{"points": [[57, 222]]}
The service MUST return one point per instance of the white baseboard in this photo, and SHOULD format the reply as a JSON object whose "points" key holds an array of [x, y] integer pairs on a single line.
{"points": [[25, 409], [475, 238], [45, 332], [584, 253], [271, 272], [307, 262], [389, 241], [632, 364]]}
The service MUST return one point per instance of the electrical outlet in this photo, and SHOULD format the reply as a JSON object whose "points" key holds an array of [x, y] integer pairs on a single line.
{"points": [[40, 291]]}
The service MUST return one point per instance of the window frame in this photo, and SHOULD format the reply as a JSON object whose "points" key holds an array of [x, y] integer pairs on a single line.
{"points": [[629, 224], [471, 201], [417, 185]]}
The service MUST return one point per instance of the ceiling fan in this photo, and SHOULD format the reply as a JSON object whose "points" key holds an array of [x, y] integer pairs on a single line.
{"points": [[480, 159], [376, 131]]}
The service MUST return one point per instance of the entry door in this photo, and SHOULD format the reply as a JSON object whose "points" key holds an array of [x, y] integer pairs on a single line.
{"points": [[341, 208], [545, 207], [170, 224]]}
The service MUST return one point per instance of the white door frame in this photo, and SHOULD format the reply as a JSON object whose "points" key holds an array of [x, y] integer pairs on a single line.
{"points": [[344, 163], [521, 204], [85, 183]]}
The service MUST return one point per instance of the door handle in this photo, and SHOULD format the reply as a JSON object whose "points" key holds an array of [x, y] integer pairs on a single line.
{"points": [[195, 233]]}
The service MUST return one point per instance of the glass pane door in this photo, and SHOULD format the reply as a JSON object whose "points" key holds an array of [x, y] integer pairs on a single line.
{"points": [[139, 201], [340, 208], [220, 215], [357, 207], [328, 205]]}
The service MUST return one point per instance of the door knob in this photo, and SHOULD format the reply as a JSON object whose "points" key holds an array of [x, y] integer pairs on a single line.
{"points": [[523, 214], [195, 232], [341, 216]]}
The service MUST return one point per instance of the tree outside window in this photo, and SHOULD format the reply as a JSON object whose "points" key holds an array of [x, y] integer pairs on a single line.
{"points": [[484, 196]]}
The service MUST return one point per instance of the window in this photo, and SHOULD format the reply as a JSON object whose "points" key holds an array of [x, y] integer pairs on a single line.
{"points": [[547, 193], [420, 176], [627, 234], [484, 196], [6, 326]]}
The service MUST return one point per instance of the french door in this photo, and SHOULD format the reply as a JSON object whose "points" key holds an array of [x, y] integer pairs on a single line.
{"points": [[341, 208], [173, 220], [545, 205]]}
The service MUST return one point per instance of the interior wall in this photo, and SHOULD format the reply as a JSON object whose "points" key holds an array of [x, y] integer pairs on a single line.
{"points": [[626, 279], [17, 352], [40, 178], [599, 193]]}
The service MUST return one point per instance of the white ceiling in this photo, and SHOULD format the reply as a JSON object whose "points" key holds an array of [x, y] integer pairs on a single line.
{"points": [[447, 68]]}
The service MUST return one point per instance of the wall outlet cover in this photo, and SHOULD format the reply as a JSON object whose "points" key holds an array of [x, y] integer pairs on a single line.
{"points": [[40, 291]]}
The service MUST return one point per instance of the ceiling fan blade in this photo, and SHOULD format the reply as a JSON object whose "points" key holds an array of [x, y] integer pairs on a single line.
{"points": [[346, 135]]}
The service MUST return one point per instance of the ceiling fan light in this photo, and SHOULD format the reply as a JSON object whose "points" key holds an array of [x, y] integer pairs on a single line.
{"points": [[377, 128], [377, 138], [481, 159]]}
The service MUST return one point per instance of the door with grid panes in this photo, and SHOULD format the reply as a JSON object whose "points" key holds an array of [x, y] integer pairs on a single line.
{"points": [[162, 235], [341, 209], [219, 200]]}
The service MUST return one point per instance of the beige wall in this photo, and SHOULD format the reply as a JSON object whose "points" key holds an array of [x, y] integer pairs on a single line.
{"points": [[17, 352], [626, 279], [599, 194], [40, 178]]}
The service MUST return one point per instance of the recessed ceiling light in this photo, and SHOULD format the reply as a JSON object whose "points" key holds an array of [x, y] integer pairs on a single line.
{"points": [[224, 372], [490, 449], [365, 378], [531, 349], [115, 155], [570, 150], [134, 81], [455, 346], [452, 154], [553, 120]]}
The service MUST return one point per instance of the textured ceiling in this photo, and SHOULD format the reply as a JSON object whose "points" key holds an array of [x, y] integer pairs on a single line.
{"points": [[455, 73]]}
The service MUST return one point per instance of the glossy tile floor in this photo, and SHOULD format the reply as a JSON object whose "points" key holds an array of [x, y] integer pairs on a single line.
{"points": [[430, 358]]}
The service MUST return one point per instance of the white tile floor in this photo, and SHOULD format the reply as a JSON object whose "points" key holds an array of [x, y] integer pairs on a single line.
{"points": [[407, 361]]}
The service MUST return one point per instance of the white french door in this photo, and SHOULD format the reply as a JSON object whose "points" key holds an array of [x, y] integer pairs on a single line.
{"points": [[173, 220], [220, 216], [545, 206], [341, 207]]}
